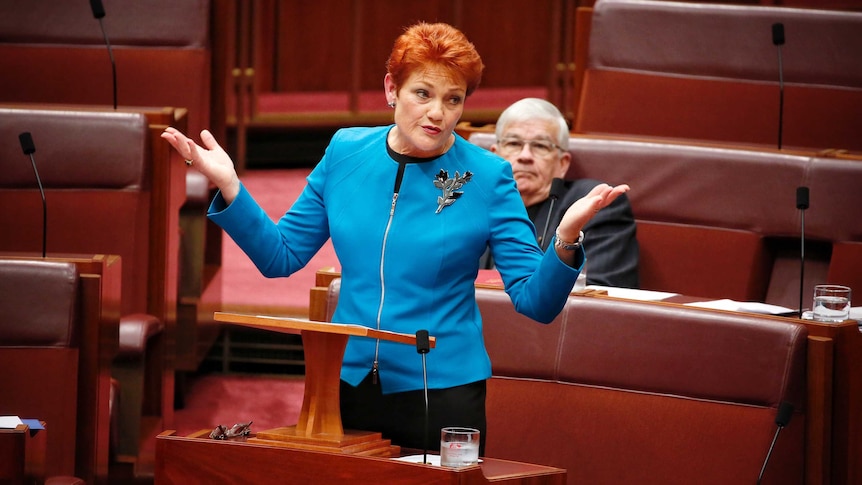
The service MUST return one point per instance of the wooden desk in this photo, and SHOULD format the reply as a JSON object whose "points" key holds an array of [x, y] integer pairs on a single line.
{"points": [[192, 459], [80, 444], [22, 455], [319, 427], [833, 408]]}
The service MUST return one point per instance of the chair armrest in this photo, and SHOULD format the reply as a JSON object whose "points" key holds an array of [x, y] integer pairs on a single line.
{"points": [[135, 330]]}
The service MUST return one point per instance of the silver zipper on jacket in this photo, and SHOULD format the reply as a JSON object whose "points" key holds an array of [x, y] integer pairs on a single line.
{"points": [[375, 368]]}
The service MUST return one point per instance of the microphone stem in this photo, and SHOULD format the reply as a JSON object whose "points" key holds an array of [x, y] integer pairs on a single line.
{"points": [[114, 80], [780, 98], [425, 387], [543, 238], [113, 64], [768, 454], [801, 259], [44, 207]]}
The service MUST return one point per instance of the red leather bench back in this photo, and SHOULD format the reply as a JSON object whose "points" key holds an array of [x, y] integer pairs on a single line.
{"points": [[619, 391], [95, 169], [631, 392], [721, 222], [39, 321], [710, 72], [54, 52], [38, 307]]}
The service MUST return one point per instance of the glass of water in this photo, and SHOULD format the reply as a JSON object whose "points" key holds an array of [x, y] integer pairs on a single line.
{"points": [[831, 303], [459, 447]]}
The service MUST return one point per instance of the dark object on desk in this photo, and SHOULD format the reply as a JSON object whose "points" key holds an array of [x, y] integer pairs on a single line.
{"points": [[236, 431]]}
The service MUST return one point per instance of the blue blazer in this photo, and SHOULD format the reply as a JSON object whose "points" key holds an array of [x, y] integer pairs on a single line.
{"points": [[410, 264]]}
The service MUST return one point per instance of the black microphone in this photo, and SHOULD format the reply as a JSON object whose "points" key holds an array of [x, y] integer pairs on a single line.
{"points": [[423, 346], [801, 204], [778, 41], [99, 14], [782, 418], [98, 9], [29, 148], [557, 189]]}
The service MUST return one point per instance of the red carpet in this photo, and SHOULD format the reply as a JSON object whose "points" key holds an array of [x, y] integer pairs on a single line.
{"points": [[244, 288], [269, 401]]}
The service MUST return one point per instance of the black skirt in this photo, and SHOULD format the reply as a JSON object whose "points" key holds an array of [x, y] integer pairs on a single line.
{"points": [[400, 416]]}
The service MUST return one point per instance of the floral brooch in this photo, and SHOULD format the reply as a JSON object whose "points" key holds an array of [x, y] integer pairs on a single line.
{"points": [[450, 187]]}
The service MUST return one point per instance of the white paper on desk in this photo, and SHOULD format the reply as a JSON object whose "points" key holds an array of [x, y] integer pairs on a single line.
{"points": [[10, 422], [742, 306], [632, 294], [856, 313], [432, 459]]}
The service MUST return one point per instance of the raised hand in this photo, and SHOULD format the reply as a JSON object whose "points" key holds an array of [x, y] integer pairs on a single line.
{"points": [[210, 160], [579, 213]]}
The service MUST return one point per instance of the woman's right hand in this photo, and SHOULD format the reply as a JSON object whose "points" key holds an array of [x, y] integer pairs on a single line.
{"points": [[211, 161]]}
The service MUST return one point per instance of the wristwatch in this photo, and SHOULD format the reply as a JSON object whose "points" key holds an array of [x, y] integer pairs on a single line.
{"points": [[568, 246]]}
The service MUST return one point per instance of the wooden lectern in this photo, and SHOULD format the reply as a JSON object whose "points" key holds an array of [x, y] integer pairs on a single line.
{"points": [[318, 450], [319, 427], [197, 459]]}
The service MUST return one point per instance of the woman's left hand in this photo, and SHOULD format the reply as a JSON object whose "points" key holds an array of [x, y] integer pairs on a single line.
{"points": [[579, 213]]}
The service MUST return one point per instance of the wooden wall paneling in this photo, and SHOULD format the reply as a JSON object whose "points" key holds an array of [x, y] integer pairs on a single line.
{"points": [[514, 38], [582, 26], [382, 22], [232, 75], [303, 53], [312, 46], [322, 63], [244, 79], [223, 21], [356, 59], [262, 49], [520, 44], [565, 65]]}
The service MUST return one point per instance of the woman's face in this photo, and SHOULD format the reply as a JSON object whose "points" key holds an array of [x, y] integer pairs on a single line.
{"points": [[427, 108]]}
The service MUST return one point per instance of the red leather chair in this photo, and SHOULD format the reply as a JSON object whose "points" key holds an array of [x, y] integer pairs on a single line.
{"points": [[39, 353], [709, 72], [54, 52], [109, 190]]}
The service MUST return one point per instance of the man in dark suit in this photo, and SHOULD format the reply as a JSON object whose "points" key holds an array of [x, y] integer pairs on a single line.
{"points": [[534, 137]]}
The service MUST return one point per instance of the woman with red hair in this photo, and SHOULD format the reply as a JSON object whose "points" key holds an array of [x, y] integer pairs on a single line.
{"points": [[410, 208]]}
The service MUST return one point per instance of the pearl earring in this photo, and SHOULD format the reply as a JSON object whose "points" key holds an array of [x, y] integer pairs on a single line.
{"points": [[392, 104]]}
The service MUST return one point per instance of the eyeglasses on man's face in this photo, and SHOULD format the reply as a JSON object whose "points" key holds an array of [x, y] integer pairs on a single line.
{"points": [[539, 148]]}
